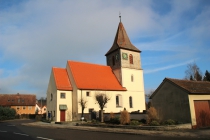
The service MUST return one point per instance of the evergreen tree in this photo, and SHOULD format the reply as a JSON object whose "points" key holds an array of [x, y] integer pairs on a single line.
{"points": [[206, 76]]}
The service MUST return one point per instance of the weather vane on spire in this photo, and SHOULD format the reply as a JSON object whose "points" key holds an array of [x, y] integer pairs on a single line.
{"points": [[120, 16]]}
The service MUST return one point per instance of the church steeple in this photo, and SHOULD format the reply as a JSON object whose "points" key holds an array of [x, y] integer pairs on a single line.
{"points": [[122, 40]]}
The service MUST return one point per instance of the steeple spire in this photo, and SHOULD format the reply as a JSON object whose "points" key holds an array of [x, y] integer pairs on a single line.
{"points": [[122, 40]]}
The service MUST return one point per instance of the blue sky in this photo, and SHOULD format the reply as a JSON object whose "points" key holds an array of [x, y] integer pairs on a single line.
{"points": [[37, 35]]}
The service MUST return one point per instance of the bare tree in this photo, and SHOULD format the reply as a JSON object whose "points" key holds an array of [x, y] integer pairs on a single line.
{"points": [[83, 103], [193, 72], [148, 100], [102, 99]]}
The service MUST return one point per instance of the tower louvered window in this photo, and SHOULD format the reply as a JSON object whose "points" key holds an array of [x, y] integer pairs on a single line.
{"points": [[131, 58], [113, 61]]}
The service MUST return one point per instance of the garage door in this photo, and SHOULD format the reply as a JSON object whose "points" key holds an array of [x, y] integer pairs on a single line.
{"points": [[202, 113]]}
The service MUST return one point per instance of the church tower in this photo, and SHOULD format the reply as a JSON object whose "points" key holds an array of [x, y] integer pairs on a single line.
{"points": [[125, 61]]}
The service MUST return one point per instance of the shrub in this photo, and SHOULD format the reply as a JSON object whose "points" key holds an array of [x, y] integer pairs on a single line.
{"points": [[7, 113], [134, 122], [154, 123], [115, 120], [152, 115], [94, 121], [143, 121], [111, 115], [124, 117], [170, 122]]}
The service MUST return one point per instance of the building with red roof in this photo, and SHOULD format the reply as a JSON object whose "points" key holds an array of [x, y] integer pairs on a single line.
{"points": [[121, 79], [22, 103]]}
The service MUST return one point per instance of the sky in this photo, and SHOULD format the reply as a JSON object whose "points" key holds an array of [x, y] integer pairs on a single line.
{"points": [[36, 35]]}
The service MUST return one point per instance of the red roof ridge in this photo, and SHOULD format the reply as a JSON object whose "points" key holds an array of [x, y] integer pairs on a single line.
{"points": [[87, 63]]}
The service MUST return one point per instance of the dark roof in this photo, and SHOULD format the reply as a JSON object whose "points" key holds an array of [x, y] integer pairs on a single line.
{"points": [[192, 86], [17, 99], [122, 41]]}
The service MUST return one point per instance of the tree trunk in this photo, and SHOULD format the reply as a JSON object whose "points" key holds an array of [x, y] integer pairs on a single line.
{"points": [[82, 112], [102, 116]]}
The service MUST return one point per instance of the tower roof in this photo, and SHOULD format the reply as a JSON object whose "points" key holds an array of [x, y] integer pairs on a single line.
{"points": [[122, 41]]}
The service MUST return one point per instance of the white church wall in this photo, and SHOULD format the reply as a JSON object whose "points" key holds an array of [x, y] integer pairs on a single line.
{"points": [[138, 102]]}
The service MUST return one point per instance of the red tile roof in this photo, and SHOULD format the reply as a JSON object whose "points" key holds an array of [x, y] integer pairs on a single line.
{"points": [[192, 86], [122, 41], [93, 76], [17, 99], [61, 79]]}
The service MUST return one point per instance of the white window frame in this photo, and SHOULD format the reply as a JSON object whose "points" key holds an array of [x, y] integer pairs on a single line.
{"points": [[63, 97], [29, 107]]}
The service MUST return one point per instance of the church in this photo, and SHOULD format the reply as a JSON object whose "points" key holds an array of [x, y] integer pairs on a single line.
{"points": [[121, 79]]}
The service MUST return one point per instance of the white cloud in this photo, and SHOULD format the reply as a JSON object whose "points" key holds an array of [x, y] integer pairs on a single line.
{"points": [[167, 67]]}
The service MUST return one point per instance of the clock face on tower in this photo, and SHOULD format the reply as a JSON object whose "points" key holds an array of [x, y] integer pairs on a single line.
{"points": [[125, 56]]}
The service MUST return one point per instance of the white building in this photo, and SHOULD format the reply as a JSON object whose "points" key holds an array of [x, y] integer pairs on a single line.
{"points": [[121, 79]]}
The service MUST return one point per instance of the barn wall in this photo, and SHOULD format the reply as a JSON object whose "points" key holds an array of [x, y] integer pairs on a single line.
{"points": [[171, 102]]}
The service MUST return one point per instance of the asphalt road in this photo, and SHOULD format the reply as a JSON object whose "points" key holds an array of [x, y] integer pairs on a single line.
{"points": [[13, 130]]}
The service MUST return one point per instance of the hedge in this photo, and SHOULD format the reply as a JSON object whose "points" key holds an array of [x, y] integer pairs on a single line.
{"points": [[7, 113]]}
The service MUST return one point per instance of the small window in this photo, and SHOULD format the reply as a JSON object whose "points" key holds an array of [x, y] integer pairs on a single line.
{"points": [[131, 102], [87, 93], [131, 58], [132, 79], [29, 107], [13, 100], [113, 60], [17, 107], [63, 95], [44, 109], [51, 97], [8, 100], [119, 101], [24, 107], [22, 100], [18, 100]]}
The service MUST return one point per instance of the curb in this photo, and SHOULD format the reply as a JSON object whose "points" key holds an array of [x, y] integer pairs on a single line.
{"points": [[168, 133]]}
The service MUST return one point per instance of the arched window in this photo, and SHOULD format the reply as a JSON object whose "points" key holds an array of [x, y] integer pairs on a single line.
{"points": [[131, 102], [113, 60], [131, 58], [132, 78], [119, 100]]}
